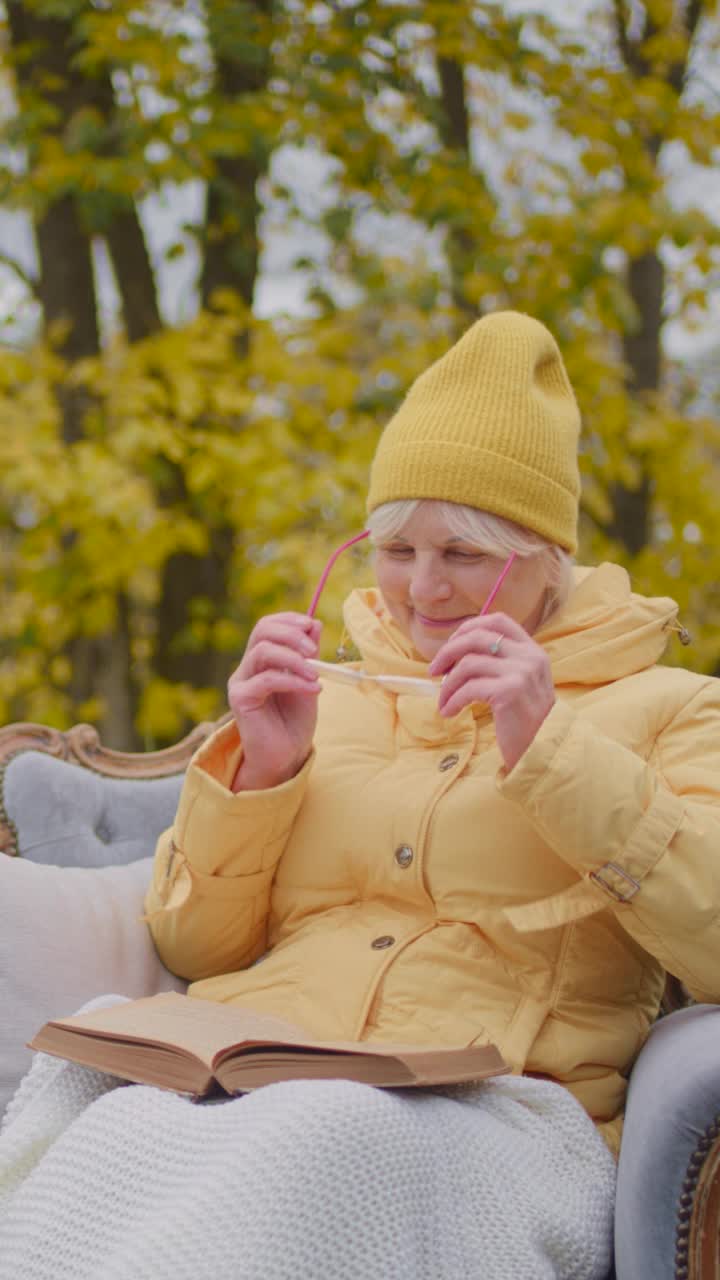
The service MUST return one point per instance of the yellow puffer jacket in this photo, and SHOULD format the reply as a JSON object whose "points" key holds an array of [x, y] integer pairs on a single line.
{"points": [[403, 887]]}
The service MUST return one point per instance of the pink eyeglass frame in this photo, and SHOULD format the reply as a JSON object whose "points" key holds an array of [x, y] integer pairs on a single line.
{"points": [[393, 684], [366, 534]]}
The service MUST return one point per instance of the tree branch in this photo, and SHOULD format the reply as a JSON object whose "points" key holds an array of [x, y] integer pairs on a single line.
{"points": [[29, 281], [626, 50], [677, 74], [456, 119], [693, 15]]}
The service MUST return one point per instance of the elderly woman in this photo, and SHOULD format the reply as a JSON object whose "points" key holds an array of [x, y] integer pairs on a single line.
{"points": [[517, 858]]}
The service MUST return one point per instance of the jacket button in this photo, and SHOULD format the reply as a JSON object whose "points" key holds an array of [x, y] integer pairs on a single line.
{"points": [[447, 762], [404, 855], [385, 940]]}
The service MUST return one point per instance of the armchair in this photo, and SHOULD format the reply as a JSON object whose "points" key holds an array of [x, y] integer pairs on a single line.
{"points": [[78, 825]]}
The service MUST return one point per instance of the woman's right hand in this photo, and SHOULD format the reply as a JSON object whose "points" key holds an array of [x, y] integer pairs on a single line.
{"points": [[273, 697]]}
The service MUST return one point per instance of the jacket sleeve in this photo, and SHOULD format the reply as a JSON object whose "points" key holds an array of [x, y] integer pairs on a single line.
{"points": [[643, 836], [207, 905]]}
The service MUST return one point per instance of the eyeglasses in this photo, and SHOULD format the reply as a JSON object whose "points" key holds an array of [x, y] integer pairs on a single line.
{"points": [[394, 684], [324, 575]]}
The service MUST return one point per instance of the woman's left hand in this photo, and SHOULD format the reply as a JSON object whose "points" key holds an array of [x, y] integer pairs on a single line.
{"points": [[492, 659]]}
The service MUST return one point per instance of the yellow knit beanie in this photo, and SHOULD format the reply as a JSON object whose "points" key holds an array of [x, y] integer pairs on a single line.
{"points": [[493, 424]]}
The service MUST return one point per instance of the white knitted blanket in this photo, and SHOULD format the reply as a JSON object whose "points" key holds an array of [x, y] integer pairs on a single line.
{"points": [[300, 1181]]}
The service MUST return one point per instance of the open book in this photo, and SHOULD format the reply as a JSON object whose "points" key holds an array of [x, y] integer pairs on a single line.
{"points": [[195, 1046]]}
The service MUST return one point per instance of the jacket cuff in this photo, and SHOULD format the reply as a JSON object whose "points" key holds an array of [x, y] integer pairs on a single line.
{"points": [[599, 806], [224, 833], [221, 755]]}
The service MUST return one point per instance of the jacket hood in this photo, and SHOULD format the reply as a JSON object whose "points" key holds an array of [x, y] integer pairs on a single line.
{"points": [[604, 632]]}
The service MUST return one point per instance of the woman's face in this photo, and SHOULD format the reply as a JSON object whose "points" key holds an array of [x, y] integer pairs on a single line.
{"points": [[431, 580]]}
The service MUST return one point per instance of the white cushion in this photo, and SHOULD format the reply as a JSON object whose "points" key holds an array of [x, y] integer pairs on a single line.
{"points": [[68, 934]]}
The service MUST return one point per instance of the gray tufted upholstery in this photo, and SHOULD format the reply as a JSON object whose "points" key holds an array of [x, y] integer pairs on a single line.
{"points": [[72, 817], [672, 1119]]}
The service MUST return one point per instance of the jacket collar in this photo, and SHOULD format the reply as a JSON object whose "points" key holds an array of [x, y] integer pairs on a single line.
{"points": [[605, 630]]}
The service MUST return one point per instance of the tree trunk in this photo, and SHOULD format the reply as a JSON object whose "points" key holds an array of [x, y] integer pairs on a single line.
{"points": [[230, 261], [462, 242], [231, 241], [101, 670], [642, 346], [642, 354], [231, 245], [66, 290], [133, 272], [188, 578], [645, 278], [100, 664]]}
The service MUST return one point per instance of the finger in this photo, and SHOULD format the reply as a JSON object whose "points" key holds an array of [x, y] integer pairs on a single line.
{"points": [[287, 626], [483, 642], [486, 629], [495, 622], [302, 620], [251, 695], [481, 689], [269, 654], [474, 667], [295, 645]]}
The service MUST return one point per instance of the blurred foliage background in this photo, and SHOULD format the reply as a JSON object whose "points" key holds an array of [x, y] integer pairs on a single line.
{"points": [[163, 483]]}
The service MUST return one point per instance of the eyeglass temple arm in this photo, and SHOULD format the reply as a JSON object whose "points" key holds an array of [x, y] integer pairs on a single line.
{"points": [[366, 534], [324, 575], [508, 566]]}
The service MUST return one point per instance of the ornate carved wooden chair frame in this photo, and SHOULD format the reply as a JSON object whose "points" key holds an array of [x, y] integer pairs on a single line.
{"points": [[81, 745]]}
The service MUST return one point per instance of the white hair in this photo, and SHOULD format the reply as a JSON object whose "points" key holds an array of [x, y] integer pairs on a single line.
{"points": [[492, 535]]}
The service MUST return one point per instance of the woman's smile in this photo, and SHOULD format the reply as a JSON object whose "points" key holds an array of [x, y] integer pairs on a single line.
{"points": [[441, 624]]}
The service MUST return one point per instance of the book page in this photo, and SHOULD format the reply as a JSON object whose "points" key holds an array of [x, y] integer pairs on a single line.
{"points": [[201, 1027], [254, 1068], [268, 1066]]}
